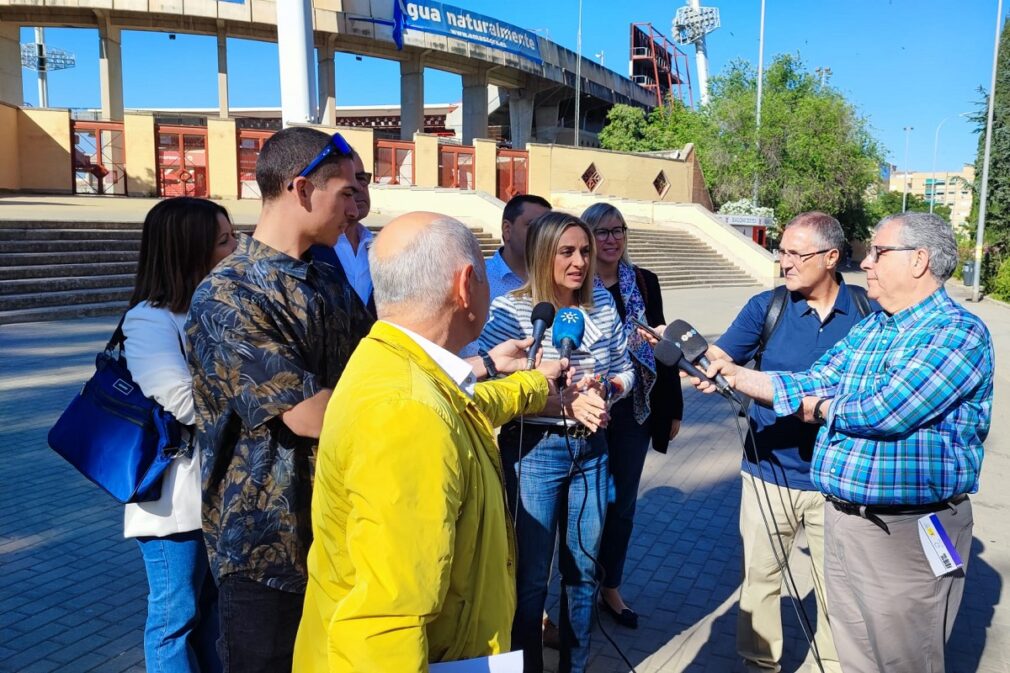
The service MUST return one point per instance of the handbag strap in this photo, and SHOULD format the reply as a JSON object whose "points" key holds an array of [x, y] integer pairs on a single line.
{"points": [[118, 337]]}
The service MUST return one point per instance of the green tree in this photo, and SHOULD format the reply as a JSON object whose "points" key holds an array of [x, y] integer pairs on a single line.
{"points": [[889, 203], [816, 152], [997, 218]]}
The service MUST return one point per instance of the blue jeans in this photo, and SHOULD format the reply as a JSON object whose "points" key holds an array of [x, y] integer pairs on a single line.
{"points": [[551, 501], [627, 446], [182, 620]]}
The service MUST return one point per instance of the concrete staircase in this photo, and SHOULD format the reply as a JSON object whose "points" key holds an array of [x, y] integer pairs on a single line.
{"points": [[52, 270], [681, 260]]}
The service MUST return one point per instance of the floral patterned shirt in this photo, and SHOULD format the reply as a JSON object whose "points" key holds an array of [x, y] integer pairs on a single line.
{"points": [[266, 331]]}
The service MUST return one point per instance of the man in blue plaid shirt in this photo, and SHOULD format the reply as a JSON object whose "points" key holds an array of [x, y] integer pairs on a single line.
{"points": [[904, 402]]}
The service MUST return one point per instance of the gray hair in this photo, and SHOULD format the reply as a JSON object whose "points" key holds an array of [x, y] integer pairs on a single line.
{"points": [[422, 273], [594, 215], [931, 232], [826, 228]]}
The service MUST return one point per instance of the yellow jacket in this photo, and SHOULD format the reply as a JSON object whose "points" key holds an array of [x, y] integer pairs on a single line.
{"points": [[413, 558]]}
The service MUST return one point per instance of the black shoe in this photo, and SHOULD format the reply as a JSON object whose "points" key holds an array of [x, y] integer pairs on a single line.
{"points": [[626, 617]]}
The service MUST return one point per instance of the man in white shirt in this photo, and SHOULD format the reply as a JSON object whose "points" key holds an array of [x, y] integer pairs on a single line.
{"points": [[506, 270], [352, 247]]}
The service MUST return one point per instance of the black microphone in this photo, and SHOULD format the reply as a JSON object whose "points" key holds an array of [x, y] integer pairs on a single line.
{"points": [[670, 354], [541, 317], [693, 346]]}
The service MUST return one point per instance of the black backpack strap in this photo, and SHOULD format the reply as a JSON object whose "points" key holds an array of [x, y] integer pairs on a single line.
{"points": [[859, 298], [773, 316]]}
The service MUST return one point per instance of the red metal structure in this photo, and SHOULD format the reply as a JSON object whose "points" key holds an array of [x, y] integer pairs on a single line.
{"points": [[394, 162], [250, 143], [513, 169], [182, 160], [99, 158], [656, 65], [455, 166]]}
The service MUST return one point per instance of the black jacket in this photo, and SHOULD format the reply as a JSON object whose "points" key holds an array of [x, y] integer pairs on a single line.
{"points": [[666, 402]]}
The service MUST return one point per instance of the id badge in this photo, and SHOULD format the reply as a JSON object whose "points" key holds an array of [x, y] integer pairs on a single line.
{"points": [[940, 551]]}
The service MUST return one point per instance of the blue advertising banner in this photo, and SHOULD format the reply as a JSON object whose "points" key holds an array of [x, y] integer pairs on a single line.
{"points": [[430, 16]]}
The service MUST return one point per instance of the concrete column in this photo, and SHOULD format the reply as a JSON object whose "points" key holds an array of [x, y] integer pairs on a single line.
{"points": [[10, 64], [222, 158], [141, 159], [546, 117], [110, 69], [425, 160], [539, 175], [474, 106], [411, 98], [485, 168], [327, 84], [521, 117], [222, 73]]}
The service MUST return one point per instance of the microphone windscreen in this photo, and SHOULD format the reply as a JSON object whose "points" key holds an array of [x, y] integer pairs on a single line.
{"points": [[543, 311], [690, 341], [668, 353], [568, 324]]}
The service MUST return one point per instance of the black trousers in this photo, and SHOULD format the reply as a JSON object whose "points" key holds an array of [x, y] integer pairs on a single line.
{"points": [[258, 626]]}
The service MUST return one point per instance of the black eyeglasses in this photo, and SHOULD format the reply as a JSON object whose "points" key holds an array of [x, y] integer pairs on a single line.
{"points": [[801, 256], [337, 144], [616, 232], [876, 251]]}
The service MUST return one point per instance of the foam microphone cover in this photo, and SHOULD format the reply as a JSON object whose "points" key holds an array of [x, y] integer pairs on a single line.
{"points": [[543, 311], [693, 344], [568, 324]]}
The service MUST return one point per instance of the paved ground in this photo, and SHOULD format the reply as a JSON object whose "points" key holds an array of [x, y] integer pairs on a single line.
{"points": [[72, 591]]}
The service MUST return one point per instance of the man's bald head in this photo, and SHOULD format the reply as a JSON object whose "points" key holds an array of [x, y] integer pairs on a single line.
{"points": [[415, 259]]}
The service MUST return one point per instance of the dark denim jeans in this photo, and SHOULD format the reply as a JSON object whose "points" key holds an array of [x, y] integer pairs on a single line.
{"points": [[182, 619], [627, 446], [258, 626], [554, 498]]}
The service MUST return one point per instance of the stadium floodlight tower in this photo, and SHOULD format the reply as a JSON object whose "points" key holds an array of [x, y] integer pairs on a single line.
{"points": [[36, 56], [690, 26]]}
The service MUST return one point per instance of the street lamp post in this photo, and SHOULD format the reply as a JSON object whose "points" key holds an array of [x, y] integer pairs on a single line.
{"points": [[936, 145], [757, 113], [578, 76], [976, 290], [904, 183]]}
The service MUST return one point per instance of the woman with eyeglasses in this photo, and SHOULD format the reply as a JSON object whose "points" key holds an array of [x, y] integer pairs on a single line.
{"points": [[556, 468], [652, 411], [183, 239]]}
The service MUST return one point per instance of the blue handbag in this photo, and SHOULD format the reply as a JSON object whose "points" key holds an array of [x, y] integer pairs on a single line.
{"points": [[116, 436]]}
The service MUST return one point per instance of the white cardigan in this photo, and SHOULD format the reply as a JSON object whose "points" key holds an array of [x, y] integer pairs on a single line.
{"points": [[159, 367]]}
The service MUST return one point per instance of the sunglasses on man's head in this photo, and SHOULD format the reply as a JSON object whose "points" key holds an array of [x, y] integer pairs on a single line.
{"points": [[337, 144]]}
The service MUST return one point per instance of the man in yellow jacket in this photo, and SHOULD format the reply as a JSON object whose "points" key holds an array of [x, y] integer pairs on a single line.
{"points": [[413, 559]]}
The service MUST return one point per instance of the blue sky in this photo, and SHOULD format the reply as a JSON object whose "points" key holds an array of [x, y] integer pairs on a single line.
{"points": [[902, 62]]}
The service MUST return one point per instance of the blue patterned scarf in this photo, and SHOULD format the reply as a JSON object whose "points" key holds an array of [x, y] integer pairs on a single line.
{"points": [[642, 357]]}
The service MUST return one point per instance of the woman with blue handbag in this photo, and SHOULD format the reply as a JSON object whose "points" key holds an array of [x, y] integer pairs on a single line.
{"points": [[183, 239]]}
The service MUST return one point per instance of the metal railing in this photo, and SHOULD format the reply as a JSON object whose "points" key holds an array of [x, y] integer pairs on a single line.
{"points": [[99, 158], [455, 166], [181, 160], [394, 162], [513, 173]]}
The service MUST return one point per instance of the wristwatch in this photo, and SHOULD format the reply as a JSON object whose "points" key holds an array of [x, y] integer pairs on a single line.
{"points": [[818, 416], [492, 371]]}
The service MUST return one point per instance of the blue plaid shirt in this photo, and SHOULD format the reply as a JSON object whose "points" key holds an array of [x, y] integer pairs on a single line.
{"points": [[911, 405]]}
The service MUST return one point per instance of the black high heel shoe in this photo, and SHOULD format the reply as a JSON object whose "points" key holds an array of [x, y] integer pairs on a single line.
{"points": [[626, 617]]}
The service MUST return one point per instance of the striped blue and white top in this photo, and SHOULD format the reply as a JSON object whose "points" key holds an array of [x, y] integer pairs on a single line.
{"points": [[604, 349]]}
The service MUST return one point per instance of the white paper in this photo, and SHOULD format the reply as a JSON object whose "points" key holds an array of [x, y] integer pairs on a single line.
{"points": [[941, 553], [511, 662]]}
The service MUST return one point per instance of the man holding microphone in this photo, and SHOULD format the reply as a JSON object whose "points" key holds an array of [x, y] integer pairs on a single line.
{"points": [[904, 403]]}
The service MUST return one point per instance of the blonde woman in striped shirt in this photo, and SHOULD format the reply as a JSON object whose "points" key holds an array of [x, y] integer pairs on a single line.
{"points": [[545, 486]]}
